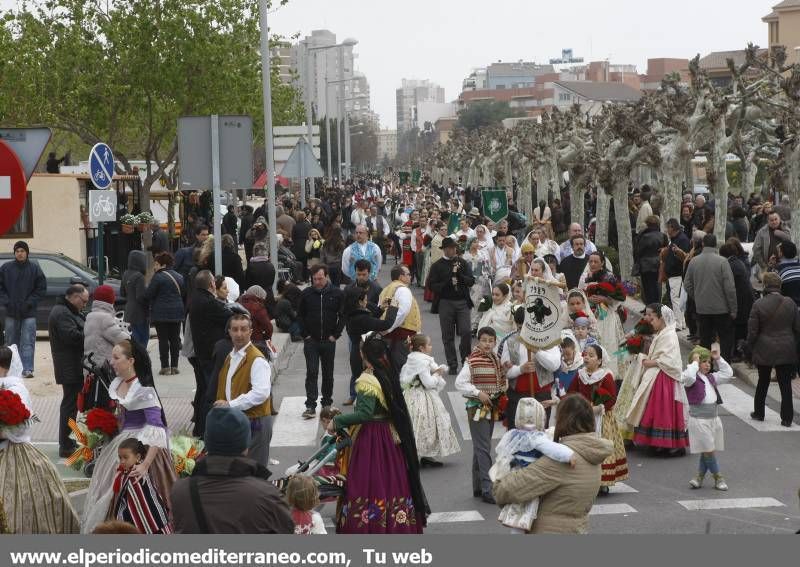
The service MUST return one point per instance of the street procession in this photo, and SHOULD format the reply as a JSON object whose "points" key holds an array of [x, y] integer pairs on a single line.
{"points": [[567, 302]]}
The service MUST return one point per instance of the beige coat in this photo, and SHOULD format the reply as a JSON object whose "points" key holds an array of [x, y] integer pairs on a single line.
{"points": [[565, 494]]}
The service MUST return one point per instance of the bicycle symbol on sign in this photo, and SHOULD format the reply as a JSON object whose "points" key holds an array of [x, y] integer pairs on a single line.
{"points": [[103, 207]]}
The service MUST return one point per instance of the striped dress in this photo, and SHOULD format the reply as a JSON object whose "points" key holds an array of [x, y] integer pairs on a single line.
{"points": [[139, 503]]}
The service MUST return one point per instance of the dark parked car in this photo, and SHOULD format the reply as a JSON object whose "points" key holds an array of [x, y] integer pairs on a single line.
{"points": [[61, 272]]}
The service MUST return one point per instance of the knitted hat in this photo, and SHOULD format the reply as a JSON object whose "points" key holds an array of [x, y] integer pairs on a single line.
{"points": [[227, 432], [22, 244], [104, 293], [530, 415]]}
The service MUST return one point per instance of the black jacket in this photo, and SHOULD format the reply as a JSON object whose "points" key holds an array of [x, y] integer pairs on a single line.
{"points": [[207, 317], [299, 237], [440, 277], [572, 268], [373, 296], [133, 288], [673, 264], [22, 286], [285, 314], [320, 312], [363, 321], [744, 289], [232, 266], [260, 272], [165, 297], [65, 327], [650, 242]]}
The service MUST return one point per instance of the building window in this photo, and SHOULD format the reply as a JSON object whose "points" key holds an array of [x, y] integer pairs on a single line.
{"points": [[24, 226], [564, 97]]}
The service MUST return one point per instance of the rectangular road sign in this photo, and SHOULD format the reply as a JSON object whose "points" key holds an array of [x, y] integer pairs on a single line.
{"points": [[102, 206], [235, 148]]}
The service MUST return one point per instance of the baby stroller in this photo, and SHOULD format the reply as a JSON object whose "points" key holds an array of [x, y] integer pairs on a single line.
{"points": [[330, 486], [94, 394]]}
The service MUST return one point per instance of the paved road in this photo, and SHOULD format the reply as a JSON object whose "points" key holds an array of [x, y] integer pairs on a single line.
{"points": [[760, 462]]}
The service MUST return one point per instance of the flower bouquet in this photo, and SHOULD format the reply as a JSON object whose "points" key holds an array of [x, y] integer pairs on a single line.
{"points": [[606, 289], [601, 395], [185, 452], [634, 344], [13, 412], [91, 432]]}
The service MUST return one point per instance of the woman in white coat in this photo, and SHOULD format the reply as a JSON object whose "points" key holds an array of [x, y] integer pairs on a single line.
{"points": [[499, 316]]}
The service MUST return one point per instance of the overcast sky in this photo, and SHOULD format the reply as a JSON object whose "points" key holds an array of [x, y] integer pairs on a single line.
{"points": [[442, 40]]}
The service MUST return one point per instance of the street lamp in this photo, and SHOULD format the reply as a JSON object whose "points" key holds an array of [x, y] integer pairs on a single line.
{"points": [[349, 42], [341, 100], [347, 154]]}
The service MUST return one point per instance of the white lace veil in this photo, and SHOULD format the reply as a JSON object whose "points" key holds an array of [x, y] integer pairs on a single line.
{"points": [[548, 273], [668, 316]]}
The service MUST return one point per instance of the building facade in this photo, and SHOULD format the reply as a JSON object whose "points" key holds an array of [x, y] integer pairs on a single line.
{"points": [[409, 96], [783, 25], [387, 145]]}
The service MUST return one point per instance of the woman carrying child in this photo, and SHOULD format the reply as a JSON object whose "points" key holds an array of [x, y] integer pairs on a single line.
{"points": [[421, 379]]}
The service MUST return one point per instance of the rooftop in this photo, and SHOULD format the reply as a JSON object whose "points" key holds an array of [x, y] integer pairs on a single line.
{"points": [[616, 92], [719, 59]]}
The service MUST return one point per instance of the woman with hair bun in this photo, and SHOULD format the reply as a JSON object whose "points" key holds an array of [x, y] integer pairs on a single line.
{"points": [[141, 416], [384, 493]]}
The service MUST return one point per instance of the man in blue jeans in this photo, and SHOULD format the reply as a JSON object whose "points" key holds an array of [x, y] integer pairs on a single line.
{"points": [[22, 286], [320, 311]]}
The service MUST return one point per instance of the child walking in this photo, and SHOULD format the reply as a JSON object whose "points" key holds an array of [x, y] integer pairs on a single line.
{"points": [[302, 496], [705, 427], [136, 500], [519, 448], [421, 380]]}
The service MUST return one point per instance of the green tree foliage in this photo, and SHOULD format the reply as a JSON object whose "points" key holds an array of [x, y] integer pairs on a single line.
{"points": [[124, 72], [485, 113]]}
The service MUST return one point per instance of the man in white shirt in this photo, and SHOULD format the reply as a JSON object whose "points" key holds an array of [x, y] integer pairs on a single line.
{"points": [[408, 321], [360, 213], [245, 383]]}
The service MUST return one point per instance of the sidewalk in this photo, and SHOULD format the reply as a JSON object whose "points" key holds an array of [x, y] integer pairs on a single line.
{"points": [[741, 370]]}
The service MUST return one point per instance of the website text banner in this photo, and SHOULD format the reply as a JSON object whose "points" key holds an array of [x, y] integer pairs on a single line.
{"points": [[394, 551]]}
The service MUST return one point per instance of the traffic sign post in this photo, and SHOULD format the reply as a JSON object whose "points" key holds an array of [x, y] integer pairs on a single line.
{"points": [[13, 187], [101, 166], [101, 169]]}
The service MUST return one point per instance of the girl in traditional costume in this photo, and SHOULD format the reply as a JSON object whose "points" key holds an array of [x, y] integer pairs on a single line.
{"points": [[136, 501], [32, 494], [609, 325]]}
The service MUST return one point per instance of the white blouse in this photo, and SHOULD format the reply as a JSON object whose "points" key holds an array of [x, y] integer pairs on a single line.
{"points": [[141, 397]]}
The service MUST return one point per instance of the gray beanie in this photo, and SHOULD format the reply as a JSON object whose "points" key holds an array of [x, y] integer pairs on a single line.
{"points": [[227, 432]]}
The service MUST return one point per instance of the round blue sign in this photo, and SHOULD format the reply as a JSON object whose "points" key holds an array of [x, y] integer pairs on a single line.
{"points": [[101, 166]]}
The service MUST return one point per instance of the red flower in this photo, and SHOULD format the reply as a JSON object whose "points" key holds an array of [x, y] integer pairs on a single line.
{"points": [[101, 420], [12, 410], [635, 341], [601, 396]]}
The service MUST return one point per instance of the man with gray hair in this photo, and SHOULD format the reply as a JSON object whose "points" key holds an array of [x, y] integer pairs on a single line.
{"points": [[575, 229]]}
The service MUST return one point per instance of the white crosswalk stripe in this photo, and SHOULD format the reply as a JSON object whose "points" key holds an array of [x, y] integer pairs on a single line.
{"points": [[622, 488], [289, 429], [460, 413], [608, 509], [727, 503], [740, 404], [452, 517]]}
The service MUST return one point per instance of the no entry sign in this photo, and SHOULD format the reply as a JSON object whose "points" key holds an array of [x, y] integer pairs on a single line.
{"points": [[12, 187]]}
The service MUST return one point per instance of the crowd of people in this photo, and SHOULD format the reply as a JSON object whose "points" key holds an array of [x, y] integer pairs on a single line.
{"points": [[605, 391]]}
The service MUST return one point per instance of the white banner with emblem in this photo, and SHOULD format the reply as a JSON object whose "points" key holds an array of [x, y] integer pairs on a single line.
{"points": [[542, 327]]}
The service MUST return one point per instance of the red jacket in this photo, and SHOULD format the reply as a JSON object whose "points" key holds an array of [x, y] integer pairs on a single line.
{"points": [[262, 326]]}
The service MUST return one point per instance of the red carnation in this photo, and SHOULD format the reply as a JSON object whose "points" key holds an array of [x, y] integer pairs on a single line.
{"points": [[101, 420], [12, 411]]}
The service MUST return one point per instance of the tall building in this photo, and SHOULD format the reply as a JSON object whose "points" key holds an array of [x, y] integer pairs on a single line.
{"points": [[387, 145], [316, 69], [358, 102], [409, 96], [784, 28], [281, 56]]}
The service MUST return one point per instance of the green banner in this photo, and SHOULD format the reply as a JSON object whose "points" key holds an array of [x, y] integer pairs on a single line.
{"points": [[495, 204], [452, 223], [416, 177], [404, 175]]}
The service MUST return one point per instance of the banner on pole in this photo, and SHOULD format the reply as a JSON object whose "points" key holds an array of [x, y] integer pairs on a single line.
{"points": [[542, 327], [404, 176], [416, 177], [495, 204]]}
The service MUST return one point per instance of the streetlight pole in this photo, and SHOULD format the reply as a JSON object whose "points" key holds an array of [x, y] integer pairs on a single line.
{"points": [[309, 117], [339, 116], [266, 75]]}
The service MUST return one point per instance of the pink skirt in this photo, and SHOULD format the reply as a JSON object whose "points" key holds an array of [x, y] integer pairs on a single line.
{"points": [[663, 423]]}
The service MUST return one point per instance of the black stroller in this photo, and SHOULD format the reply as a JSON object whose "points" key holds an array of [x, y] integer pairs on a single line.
{"points": [[94, 394], [330, 486]]}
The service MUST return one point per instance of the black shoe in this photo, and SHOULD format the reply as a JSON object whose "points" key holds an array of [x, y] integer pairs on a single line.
{"points": [[477, 493], [786, 422], [756, 417], [489, 499], [428, 462], [676, 452], [604, 490]]}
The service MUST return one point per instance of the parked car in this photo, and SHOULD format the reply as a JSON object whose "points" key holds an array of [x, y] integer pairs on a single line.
{"points": [[61, 272]]}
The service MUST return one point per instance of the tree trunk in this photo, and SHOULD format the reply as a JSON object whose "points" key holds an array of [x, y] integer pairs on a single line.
{"points": [[720, 185], [624, 237], [601, 218], [793, 188], [525, 192], [542, 184], [576, 203], [749, 173]]}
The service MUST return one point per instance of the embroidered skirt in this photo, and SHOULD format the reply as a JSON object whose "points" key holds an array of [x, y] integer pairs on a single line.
{"points": [[377, 497], [615, 467], [433, 431], [34, 498], [663, 424]]}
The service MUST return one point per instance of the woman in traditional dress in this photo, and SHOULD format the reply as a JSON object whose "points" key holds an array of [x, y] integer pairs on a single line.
{"points": [[384, 494], [499, 317], [541, 243], [596, 383], [141, 417], [421, 379], [659, 410], [609, 326], [481, 270], [32, 494]]}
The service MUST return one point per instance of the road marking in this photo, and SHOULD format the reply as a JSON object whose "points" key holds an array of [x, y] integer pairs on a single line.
{"points": [[740, 404], [290, 429], [457, 401], [607, 509], [453, 517], [622, 488], [724, 503], [5, 187]]}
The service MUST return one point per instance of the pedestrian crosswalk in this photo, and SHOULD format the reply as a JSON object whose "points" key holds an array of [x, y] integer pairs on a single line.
{"points": [[460, 413], [740, 404], [727, 503]]}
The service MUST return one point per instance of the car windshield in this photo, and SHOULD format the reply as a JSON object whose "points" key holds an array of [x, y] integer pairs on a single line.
{"points": [[78, 265]]}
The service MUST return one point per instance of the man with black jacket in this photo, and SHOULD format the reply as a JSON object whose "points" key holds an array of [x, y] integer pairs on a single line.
{"points": [[320, 313], [673, 258], [65, 329], [450, 279], [207, 320]]}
